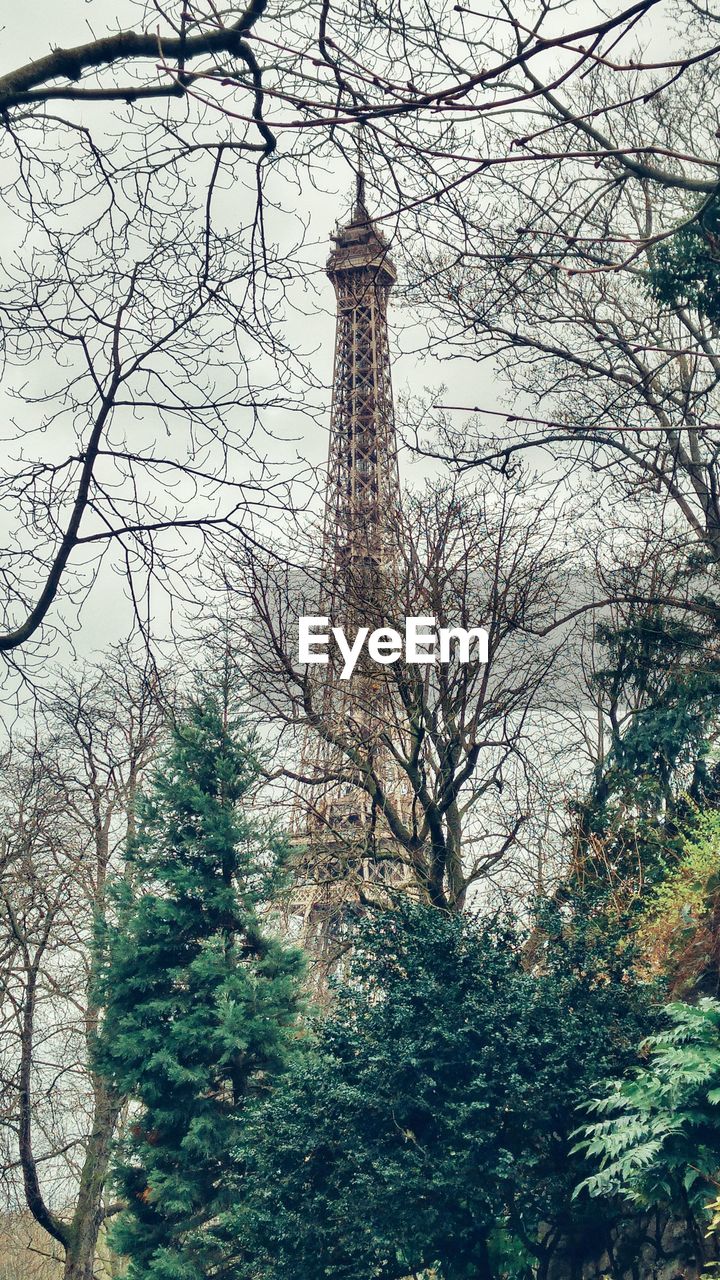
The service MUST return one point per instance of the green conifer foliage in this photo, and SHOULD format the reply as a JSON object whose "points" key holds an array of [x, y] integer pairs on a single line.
{"points": [[201, 1002]]}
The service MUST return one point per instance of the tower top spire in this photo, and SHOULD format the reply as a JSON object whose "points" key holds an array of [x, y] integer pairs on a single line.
{"points": [[360, 212], [359, 243]]}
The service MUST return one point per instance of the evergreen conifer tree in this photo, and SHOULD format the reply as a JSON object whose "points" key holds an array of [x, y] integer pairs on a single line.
{"points": [[201, 1002]]}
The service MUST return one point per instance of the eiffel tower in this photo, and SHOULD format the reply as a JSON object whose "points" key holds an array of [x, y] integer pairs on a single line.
{"points": [[350, 855]]}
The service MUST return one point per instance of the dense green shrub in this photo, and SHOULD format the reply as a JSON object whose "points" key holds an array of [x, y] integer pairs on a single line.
{"points": [[430, 1126]]}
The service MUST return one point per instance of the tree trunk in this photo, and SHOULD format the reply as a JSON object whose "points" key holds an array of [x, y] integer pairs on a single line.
{"points": [[83, 1232], [80, 1254]]}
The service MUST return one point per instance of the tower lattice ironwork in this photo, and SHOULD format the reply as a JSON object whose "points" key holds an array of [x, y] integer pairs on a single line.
{"points": [[363, 490], [348, 846]]}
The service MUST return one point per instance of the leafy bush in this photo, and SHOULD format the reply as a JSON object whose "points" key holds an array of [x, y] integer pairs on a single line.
{"points": [[431, 1126], [657, 1139]]}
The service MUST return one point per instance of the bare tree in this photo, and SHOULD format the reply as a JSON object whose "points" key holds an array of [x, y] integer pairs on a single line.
{"points": [[67, 805], [443, 752], [611, 387], [149, 438]]}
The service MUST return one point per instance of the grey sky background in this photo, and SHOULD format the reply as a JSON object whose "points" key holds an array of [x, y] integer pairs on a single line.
{"points": [[28, 31]]}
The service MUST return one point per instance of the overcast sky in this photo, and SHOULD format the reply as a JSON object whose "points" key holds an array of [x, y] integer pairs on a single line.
{"points": [[33, 27]]}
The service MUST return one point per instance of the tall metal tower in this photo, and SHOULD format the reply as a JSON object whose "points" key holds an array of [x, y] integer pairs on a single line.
{"points": [[363, 489], [347, 839]]}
